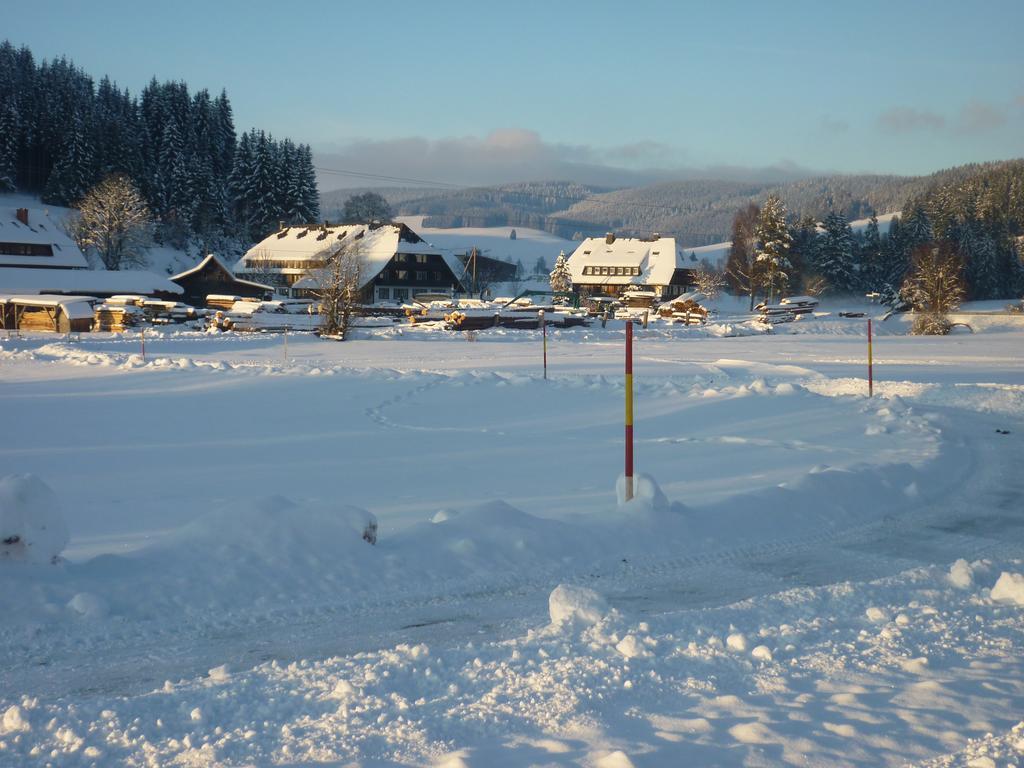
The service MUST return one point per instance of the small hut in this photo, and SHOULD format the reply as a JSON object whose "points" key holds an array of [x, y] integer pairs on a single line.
{"points": [[60, 314]]}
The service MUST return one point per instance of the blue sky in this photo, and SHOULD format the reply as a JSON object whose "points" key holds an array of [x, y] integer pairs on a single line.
{"points": [[472, 92]]}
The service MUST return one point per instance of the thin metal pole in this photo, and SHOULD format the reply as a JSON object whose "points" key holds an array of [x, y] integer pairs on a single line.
{"points": [[629, 410], [142, 338], [871, 366]]}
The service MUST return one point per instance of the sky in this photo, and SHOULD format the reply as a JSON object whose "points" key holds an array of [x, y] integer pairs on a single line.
{"points": [[598, 92]]}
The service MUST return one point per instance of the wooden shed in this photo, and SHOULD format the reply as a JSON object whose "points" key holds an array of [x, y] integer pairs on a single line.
{"points": [[212, 276], [60, 314]]}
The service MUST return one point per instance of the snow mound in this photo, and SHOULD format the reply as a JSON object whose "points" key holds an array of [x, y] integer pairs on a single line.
{"points": [[646, 493], [577, 604], [275, 530], [32, 528], [961, 575], [1009, 588]]}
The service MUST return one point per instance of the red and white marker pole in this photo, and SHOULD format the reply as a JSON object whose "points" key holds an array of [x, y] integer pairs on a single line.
{"points": [[544, 332], [871, 366], [629, 410]]}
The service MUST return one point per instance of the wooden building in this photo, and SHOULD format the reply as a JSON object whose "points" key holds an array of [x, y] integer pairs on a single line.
{"points": [[60, 314], [211, 276]]}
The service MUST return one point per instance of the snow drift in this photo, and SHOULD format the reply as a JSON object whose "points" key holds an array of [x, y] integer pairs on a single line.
{"points": [[32, 527]]}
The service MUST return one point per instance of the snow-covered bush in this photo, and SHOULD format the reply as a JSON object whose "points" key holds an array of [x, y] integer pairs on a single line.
{"points": [[32, 528]]}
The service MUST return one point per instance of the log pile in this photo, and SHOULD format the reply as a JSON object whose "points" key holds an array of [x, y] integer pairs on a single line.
{"points": [[686, 311], [116, 318]]}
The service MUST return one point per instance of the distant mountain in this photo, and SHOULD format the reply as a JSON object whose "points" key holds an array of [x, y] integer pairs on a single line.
{"points": [[698, 212]]}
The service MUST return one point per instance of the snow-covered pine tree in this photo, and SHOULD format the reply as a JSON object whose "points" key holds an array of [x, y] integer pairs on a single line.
{"points": [[774, 242], [872, 277], [73, 174], [561, 277], [9, 131], [834, 254], [309, 193], [238, 184]]}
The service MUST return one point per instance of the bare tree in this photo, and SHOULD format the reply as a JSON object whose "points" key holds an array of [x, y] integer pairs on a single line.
{"points": [[934, 287], [339, 285], [742, 269], [367, 208], [114, 224], [709, 280], [262, 267]]}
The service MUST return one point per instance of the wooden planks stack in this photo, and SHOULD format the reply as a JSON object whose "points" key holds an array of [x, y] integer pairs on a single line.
{"points": [[116, 318]]}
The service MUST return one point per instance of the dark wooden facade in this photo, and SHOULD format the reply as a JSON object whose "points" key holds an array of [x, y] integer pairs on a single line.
{"points": [[212, 276]]}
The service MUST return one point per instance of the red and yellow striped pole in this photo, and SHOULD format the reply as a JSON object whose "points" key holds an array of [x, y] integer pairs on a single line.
{"points": [[871, 366], [629, 410], [544, 332]]}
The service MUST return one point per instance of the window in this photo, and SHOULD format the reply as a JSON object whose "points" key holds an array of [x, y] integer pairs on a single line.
{"points": [[383, 293], [401, 274], [421, 276], [25, 249], [401, 294], [421, 258], [401, 258]]}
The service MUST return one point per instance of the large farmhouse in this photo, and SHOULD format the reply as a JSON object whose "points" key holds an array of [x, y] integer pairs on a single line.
{"points": [[29, 238], [610, 265], [397, 263]]}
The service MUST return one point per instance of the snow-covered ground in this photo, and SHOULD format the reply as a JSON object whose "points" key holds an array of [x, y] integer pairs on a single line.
{"points": [[807, 576]]}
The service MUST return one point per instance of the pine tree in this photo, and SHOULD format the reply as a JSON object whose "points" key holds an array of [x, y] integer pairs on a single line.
{"points": [[834, 256], [8, 147], [73, 174], [871, 261], [561, 277], [774, 242], [310, 195]]}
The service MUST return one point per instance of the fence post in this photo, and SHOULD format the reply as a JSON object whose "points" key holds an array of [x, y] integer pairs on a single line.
{"points": [[871, 371]]}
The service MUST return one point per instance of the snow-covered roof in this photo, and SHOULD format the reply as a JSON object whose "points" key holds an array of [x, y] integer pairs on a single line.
{"points": [[656, 259], [86, 281], [717, 254], [377, 244], [74, 307], [41, 230]]}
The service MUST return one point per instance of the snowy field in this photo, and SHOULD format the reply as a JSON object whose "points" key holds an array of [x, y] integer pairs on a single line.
{"points": [[809, 576]]}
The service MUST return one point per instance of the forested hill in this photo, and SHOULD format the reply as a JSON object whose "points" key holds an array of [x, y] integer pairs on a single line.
{"points": [[699, 212], [60, 134]]}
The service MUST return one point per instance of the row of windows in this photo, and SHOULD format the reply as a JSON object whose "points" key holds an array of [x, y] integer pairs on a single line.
{"points": [[419, 258], [260, 264], [625, 271], [402, 275], [402, 294], [25, 249]]}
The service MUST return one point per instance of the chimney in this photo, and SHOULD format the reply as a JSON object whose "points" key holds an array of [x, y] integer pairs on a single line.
{"points": [[22, 214], [280, 225], [656, 236], [609, 238], [327, 225]]}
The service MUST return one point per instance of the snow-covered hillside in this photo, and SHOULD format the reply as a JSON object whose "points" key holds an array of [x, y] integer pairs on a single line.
{"points": [[806, 576]]}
